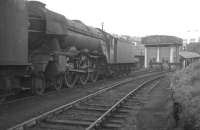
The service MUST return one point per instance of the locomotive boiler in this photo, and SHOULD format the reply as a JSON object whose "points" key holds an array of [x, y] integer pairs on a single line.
{"points": [[43, 48]]}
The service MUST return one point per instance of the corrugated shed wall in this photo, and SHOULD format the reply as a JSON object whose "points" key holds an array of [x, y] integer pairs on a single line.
{"points": [[151, 54], [164, 54]]}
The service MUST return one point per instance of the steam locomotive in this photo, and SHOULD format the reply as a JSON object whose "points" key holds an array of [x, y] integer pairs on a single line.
{"points": [[40, 48]]}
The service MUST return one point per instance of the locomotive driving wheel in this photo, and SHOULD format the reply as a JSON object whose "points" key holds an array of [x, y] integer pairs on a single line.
{"points": [[70, 78], [39, 85], [84, 65], [84, 77]]}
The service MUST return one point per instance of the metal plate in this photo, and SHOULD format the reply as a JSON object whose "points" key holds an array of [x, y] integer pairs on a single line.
{"points": [[125, 52]]}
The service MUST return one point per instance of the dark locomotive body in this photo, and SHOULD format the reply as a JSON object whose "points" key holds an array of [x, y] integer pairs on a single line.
{"points": [[43, 48]]}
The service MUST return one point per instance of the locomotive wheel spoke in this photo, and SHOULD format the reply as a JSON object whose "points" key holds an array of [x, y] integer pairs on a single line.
{"points": [[94, 76], [84, 65], [84, 78], [70, 78], [58, 83], [38, 85]]}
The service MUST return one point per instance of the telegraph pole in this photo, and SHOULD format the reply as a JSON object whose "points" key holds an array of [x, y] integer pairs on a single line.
{"points": [[102, 25]]}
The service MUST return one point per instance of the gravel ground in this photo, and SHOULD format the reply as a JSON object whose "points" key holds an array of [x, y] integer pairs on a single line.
{"points": [[15, 113], [156, 111]]}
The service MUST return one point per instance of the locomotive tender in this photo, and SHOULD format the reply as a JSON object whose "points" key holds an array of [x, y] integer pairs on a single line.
{"points": [[40, 48]]}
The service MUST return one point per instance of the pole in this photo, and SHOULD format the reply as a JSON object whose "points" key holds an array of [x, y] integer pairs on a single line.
{"points": [[102, 25]]}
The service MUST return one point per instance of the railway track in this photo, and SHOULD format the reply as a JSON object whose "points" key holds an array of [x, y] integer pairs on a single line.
{"points": [[88, 112], [29, 95], [115, 116]]}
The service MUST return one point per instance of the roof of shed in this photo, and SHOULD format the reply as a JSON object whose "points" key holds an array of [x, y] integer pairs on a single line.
{"points": [[189, 55], [161, 39]]}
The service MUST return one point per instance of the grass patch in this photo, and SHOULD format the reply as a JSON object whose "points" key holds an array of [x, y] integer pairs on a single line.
{"points": [[185, 84]]}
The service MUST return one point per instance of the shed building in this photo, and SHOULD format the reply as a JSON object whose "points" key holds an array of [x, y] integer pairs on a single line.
{"points": [[188, 58], [161, 49]]}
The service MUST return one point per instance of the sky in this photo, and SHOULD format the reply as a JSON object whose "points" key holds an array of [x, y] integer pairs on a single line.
{"points": [[134, 17]]}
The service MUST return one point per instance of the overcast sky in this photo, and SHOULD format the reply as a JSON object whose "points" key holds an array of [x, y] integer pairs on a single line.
{"points": [[134, 17]]}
